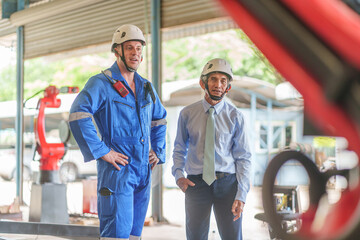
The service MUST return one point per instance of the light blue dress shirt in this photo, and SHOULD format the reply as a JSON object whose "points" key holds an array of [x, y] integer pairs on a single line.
{"points": [[232, 153]]}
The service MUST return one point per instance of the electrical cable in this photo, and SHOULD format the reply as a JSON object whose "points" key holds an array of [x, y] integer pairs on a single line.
{"points": [[31, 98]]}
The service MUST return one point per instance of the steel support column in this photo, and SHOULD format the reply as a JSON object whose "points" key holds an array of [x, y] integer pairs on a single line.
{"points": [[19, 105], [157, 212], [156, 45]]}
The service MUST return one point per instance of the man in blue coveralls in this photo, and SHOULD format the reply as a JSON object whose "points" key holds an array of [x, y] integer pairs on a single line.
{"points": [[211, 146], [131, 121]]}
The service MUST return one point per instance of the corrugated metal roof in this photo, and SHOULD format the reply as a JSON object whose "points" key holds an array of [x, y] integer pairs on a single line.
{"points": [[188, 11], [94, 22], [90, 25], [199, 28], [6, 28]]}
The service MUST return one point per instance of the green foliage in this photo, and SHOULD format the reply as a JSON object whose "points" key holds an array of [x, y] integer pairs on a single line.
{"points": [[252, 67], [8, 83], [39, 74], [257, 65], [185, 58]]}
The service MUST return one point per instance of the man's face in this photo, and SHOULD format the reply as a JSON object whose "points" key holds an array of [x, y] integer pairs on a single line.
{"points": [[217, 84], [132, 53]]}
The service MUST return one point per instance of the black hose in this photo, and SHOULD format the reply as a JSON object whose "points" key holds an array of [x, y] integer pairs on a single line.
{"points": [[31, 98]]}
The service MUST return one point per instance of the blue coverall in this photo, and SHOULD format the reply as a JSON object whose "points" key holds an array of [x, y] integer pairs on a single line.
{"points": [[127, 125]]}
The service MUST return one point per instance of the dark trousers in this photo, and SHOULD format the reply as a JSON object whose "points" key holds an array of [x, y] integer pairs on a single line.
{"points": [[198, 202]]}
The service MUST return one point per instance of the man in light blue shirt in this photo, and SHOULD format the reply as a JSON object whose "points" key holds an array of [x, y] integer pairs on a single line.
{"points": [[226, 193]]}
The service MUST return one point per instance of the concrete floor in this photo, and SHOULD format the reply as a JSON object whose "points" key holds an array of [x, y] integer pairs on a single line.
{"points": [[173, 209]]}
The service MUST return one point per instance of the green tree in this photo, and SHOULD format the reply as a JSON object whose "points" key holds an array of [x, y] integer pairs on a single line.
{"points": [[184, 58], [257, 65], [39, 74], [8, 83]]}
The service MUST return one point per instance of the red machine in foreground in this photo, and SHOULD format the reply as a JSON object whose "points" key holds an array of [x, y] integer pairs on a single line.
{"points": [[50, 153], [315, 45]]}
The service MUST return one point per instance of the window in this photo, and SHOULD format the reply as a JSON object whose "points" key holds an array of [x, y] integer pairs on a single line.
{"points": [[281, 134]]}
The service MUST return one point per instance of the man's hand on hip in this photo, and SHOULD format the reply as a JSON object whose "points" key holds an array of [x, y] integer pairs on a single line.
{"points": [[115, 158], [153, 159], [184, 183], [237, 209]]}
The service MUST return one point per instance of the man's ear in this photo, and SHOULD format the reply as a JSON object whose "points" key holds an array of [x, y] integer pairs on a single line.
{"points": [[228, 88], [202, 84], [117, 51]]}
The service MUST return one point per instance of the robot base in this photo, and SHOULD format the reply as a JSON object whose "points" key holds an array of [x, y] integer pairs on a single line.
{"points": [[48, 203]]}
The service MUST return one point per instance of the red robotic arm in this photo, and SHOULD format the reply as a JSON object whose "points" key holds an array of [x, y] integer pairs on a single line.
{"points": [[50, 153]]}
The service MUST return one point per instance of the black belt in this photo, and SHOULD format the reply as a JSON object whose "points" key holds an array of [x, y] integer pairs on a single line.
{"points": [[218, 175], [222, 174]]}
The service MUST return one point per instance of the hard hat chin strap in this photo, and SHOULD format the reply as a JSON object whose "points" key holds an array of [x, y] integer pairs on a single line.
{"points": [[124, 61]]}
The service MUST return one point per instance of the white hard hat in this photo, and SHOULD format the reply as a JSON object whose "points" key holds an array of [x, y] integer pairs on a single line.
{"points": [[217, 65], [127, 32]]}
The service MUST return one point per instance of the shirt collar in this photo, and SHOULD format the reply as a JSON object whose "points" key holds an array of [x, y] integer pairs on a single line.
{"points": [[217, 107], [115, 72]]}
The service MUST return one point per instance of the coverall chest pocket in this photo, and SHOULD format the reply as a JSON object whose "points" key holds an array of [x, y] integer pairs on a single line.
{"points": [[106, 202], [124, 114]]}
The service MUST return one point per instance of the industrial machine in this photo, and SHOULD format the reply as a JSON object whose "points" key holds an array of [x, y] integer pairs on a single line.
{"points": [[48, 195], [315, 45], [50, 153]]}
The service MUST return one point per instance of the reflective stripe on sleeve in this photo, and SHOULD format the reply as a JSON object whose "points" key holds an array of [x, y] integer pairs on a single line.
{"points": [[132, 237], [79, 115], [158, 122], [107, 238]]}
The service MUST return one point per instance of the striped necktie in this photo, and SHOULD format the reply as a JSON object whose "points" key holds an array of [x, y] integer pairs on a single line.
{"points": [[209, 150]]}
